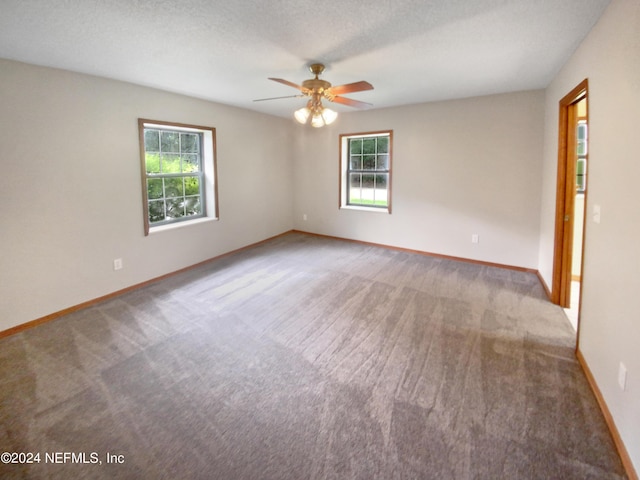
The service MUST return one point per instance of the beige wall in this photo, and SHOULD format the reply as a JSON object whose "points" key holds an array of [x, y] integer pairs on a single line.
{"points": [[72, 200], [578, 214], [460, 167], [70, 192], [610, 322]]}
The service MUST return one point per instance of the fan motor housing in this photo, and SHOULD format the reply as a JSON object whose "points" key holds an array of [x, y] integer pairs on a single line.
{"points": [[316, 84]]}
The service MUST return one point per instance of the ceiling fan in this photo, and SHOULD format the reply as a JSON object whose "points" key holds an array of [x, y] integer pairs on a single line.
{"points": [[318, 89]]}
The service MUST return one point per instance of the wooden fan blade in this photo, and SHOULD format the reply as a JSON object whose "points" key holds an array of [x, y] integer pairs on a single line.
{"points": [[278, 98], [290, 84], [350, 88], [350, 102]]}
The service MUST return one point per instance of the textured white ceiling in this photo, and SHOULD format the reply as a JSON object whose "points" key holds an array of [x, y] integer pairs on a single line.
{"points": [[411, 51]]}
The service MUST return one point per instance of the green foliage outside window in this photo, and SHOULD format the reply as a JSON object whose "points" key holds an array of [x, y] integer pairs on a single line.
{"points": [[173, 163]]}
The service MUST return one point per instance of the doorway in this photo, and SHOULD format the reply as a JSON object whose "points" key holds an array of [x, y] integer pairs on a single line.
{"points": [[571, 201]]}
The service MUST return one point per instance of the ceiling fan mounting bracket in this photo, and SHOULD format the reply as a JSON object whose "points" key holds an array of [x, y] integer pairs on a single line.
{"points": [[315, 85], [316, 69]]}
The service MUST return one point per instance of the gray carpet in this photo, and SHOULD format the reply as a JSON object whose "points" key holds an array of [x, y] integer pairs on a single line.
{"points": [[308, 358]]}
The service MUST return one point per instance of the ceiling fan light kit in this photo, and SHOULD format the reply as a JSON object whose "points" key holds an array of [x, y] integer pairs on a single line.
{"points": [[319, 115], [318, 89]]}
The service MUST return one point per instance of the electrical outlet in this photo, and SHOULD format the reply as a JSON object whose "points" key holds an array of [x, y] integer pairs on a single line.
{"points": [[117, 264], [622, 376], [596, 213], [475, 238], [304, 217]]}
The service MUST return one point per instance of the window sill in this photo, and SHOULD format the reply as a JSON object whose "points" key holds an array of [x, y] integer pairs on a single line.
{"points": [[365, 209], [186, 223]]}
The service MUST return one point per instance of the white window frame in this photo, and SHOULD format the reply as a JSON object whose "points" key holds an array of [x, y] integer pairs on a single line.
{"points": [[208, 183], [344, 202]]}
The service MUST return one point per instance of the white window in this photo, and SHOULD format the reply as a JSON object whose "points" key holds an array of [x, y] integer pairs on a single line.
{"points": [[365, 180], [581, 166], [178, 169]]}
